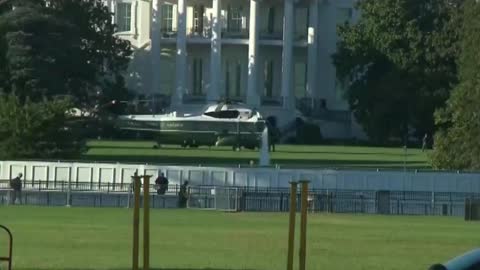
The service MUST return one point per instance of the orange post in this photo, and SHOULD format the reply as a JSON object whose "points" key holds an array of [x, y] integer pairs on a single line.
{"points": [[291, 228], [146, 222], [303, 225], [136, 219]]}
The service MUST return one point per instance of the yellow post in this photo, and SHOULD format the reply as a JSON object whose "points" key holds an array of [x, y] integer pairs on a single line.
{"points": [[146, 222], [136, 219], [291, 228], [303, 225]]}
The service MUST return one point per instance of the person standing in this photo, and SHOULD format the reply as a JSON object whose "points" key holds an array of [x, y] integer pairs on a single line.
{"points": [[183, 195], [162, 184], [16, 185]]}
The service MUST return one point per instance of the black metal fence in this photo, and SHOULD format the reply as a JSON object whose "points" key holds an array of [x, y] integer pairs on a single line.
{"points": [[251, 198]]}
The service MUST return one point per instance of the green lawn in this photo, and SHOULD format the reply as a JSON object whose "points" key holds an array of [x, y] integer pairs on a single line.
{"points": [[286, 155], [89, 238]]}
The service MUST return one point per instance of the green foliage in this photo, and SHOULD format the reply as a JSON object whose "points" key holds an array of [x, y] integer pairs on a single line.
{"points": [[34, 59], [456, 144], [101, 59], [398, 63], [65, 48], [38, 129]]}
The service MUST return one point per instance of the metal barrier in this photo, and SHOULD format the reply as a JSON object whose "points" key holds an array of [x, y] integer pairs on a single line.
{"points": [[80, 186], [8, 258], [254, 199]]}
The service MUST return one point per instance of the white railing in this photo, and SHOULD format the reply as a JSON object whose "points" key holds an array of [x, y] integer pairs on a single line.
{"points": [[118, 174]]}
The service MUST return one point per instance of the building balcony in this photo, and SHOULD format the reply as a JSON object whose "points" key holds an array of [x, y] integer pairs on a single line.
{"points": [[267, 35], [235, 34], [200, 33], [300, 36], [168, 33], [272, 101]]}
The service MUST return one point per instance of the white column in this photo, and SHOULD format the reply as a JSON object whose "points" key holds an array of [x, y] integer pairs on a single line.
{"points": [[112, 9], [253, 98], [181, 64], [155, 47], [287, 55], [215, 53], [312, 50], [134, 20]]}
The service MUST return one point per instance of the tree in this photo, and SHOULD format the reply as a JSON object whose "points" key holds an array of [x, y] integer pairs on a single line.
{"points": [[102, 58], [67, 47], [398, 64], [38, 129], [457, 141], [50, 49], [33, 52]]}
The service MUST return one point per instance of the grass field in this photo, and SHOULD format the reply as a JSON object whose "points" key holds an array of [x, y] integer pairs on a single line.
{"points": [[286, 155], [81, 238]]}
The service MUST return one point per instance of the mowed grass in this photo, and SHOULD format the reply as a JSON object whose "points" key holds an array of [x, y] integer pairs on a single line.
{"points": [[89, 238], [285, 155]]}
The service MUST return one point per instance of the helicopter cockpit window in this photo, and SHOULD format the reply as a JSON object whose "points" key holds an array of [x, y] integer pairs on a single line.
{"points": [[223, 114]]}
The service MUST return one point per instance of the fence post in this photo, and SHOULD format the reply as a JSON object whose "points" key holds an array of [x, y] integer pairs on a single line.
{"points": [[433, 203], [69, 187], [128, 195]]}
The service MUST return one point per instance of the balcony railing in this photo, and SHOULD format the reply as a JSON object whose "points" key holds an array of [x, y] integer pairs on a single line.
{"points": [[200, 33], [240, 33], [272, 101], [168, 32], [271, 35], [300, 36]]}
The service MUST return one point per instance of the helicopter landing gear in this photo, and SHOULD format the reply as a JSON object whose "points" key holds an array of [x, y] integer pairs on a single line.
{"points": [[189, 144]]}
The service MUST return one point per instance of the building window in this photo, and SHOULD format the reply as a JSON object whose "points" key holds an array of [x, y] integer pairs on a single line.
{"points": [[238, 79], [167, 18], [227, 79], [124, 17], [271, 20], [234, 19], [300, 79], [344, 15], [197, 76], [268, 73], [198, 19]]}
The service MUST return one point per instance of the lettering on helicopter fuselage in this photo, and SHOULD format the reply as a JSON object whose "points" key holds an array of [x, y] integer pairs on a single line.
{"points": [[172, 125]]}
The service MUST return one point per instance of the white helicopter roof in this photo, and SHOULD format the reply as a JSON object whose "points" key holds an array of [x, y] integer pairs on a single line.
{"points": [[227, 107]]}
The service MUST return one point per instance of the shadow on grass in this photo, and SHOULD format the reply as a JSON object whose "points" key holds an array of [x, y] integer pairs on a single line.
{"points": [[244, 161], [345, 153]]}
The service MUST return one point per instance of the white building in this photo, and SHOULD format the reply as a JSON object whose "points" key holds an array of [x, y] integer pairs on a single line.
{"points": [[274, 55]]}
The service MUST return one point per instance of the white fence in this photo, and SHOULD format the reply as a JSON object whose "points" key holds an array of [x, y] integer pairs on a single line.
{"points": [[96, 173]]}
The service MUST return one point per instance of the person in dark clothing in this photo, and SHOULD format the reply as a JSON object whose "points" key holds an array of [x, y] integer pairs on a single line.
{"points": [[183, 195], [16, 185], [273, 134], [162, 184]]}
